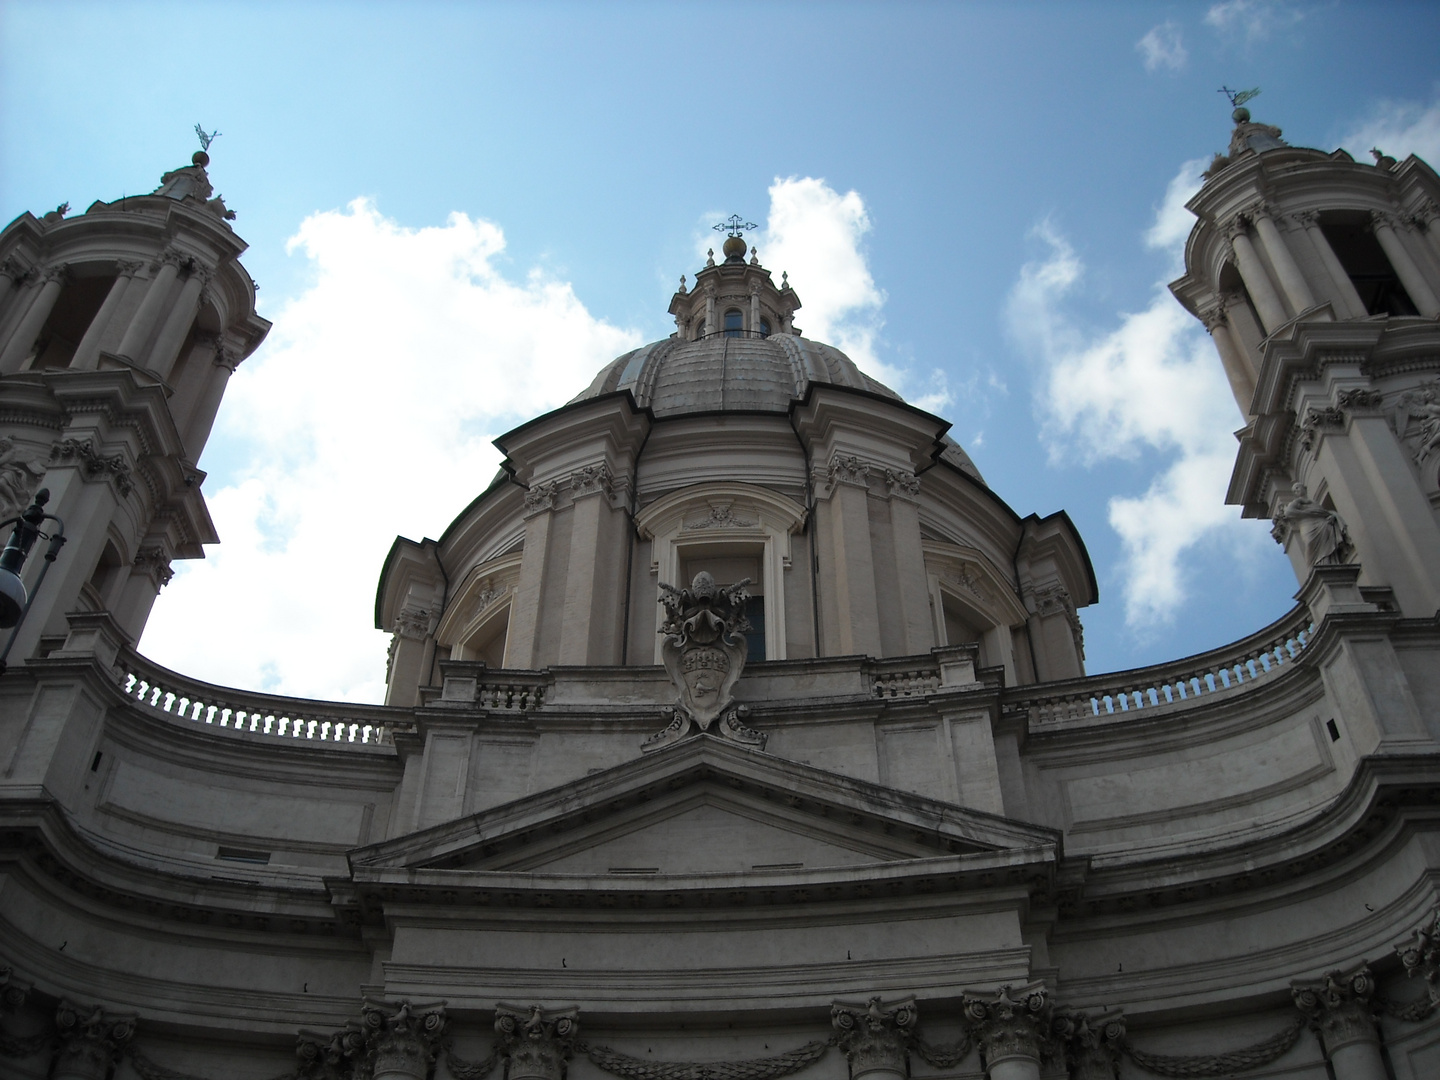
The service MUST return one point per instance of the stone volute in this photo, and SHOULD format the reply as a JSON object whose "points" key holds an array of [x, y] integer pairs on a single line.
{"points": [[1341, 1010], [91, 1041], [1012, 1028], [535, 1042], [875, 1036], [401, 1039]]}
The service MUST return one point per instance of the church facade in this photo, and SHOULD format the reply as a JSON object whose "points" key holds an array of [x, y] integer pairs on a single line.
{"points": [[737, 730]]}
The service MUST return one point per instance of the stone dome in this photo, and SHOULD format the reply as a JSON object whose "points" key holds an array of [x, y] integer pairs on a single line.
{"points": [[674, 377]]}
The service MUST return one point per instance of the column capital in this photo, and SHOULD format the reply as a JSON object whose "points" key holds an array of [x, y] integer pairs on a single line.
{"points": [[171, 257], [413, 623], [128, 267], [535, 1041], [59, 272], [13, 992], [1212, 315], [333, 1056], [1339, 1007], [1238, 228], [1013, 1023], [401, 1038], [1384, 219], [91, 1040], [1360, 399], [1092, 1043], [15, 270], [1306, 219], [874, 1035], [1421, 955], [153, 560]]}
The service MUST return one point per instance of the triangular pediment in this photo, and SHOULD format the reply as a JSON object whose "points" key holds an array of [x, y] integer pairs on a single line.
{"points": [[704, 806]]}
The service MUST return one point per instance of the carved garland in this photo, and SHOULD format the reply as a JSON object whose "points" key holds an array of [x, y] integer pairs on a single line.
{"points": [[1251, 1057], [766, 1068]]}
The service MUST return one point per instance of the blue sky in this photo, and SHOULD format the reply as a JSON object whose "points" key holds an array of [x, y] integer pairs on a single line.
{"points": [[992, 176]]}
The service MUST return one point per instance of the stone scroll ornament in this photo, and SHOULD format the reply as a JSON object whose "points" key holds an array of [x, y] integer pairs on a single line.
{"points": [[704, 652]]}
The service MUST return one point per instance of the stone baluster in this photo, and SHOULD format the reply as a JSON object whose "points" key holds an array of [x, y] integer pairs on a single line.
{"points": [[1092, 1044], [1292, 279], [87, 353], [401, 1039], [33, 321], [1342, 1014], [178, 323], [142, 324], [875, 1036], [1012, 1030], [535, 1042], [91, 1041], [1383, 224], [1256, 277], [1350, 306]]}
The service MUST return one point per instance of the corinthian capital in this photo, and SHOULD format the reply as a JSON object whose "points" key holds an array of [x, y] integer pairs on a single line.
{"points": [[1339, 1007], [1306, 219], [1092, 1043], [875, 1035], [401, 1039], [1383, 219], [91, 1040], [535, 1041], [59, 272], [1011, 1024], [1421, 955]]}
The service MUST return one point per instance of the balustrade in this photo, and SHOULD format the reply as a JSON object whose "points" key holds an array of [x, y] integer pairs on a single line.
{"points": [[180, 698]]}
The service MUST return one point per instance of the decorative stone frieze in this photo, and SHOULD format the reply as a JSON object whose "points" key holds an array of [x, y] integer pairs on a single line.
{"points": [[1011, 1025], [1360, 399], [848, 469], [401, 1039], [722, 516], [704, 652], [93, 465], [591, 480], [91, 1041], [1092, 1044], [1340, 1007], [536, 1042], [875, 1035], [541, 497]]}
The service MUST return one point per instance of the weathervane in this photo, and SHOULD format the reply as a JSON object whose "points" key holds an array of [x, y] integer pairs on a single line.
{"points": [[206, 140], [1239, 97], [735, 225]]}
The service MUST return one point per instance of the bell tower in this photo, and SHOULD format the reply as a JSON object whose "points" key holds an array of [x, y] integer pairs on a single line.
{"points": [[119, 328], [1318, 277]]}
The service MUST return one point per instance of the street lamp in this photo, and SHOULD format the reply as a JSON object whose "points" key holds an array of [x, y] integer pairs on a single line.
{"points": [[14, 602]]}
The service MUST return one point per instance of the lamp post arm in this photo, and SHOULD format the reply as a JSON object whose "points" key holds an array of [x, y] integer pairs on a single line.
{"points": [[57, 541]]}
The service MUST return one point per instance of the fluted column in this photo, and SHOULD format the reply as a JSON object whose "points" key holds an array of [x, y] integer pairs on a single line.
{"points": [[1237, 367], [401, 1039], [142, 325], [1341, 1013], [1256, 278], [33, 321], [1292, 278], [90, 1041], [87, 353], [1350, 305], [1091, 1044], [535, 1042], [178, 323], [875, 1036], [1410, 275], [1012, 1029]]}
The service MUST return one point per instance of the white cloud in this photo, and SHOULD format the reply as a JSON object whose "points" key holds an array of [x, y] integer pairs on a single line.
{"points": [[1252, 20], [1162, 47], [1398, 128], [1153, 385], [368, 412], [815, 234]]}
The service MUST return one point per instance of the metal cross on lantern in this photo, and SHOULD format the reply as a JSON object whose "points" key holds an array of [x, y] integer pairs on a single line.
{"points": [[735, 225], [1239, 97]]}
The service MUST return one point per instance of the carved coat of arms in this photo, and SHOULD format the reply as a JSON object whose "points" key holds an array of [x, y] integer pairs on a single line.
{"points": [[704, 652]]}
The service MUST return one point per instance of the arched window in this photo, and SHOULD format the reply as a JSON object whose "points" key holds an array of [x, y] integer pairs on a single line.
{"points": [[764, 327], [734, 322], [699, 329]]}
